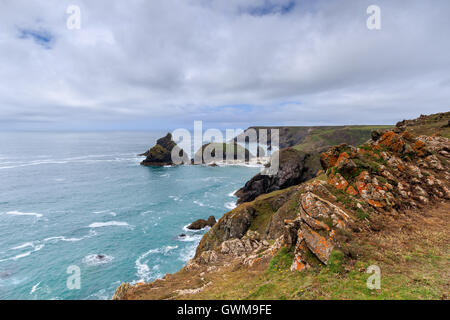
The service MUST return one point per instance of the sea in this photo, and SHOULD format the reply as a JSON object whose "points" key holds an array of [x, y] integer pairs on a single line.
{"points": [[79, 215]]}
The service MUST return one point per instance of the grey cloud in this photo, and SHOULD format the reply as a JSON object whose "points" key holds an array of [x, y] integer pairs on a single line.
{"points": [[166, 63]]}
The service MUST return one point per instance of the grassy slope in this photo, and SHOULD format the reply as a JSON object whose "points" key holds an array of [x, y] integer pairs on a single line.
{"points": [[311, 138], [412, 253], [321, 137], [432, 124]]}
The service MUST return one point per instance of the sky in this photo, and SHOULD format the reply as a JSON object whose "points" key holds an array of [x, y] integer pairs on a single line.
{"points": [[153, 65]]}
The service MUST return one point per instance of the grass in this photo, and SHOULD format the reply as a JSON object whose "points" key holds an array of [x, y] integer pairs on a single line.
{"points": [[281, 261], [411, 251], [335, 261], [321, 137], [362, 214]]}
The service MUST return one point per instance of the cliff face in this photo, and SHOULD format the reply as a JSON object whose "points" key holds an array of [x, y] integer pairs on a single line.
{"points": [[393, 173], [300, 158], [295, 168], [376, 203], [317, 138]]}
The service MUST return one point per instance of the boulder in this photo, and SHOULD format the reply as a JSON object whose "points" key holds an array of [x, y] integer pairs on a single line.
{"points": [[201, 223]]}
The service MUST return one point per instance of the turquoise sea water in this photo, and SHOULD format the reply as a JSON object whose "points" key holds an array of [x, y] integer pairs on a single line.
{"points": [[67, 197]]}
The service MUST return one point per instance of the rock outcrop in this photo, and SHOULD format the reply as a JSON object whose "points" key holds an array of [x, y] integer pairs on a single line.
{"points": [[295, 168], [201, 223], [389, 174], [360, 191], [211, 152], [161, 153]]}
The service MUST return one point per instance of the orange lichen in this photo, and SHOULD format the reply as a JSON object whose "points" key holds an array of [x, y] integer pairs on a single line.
{"points": [[392, 141], [352, 191], [329, 159], [343, 158], [375, 203], [338, 181]]}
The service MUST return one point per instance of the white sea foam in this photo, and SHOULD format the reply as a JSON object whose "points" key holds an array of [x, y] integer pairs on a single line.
{"points": [[83, 159], [62, 238], [18, 213], [188, 252], [185, 228], [34, 288], [56, 239], [95, 259], [230, 205], [143, 270], [26, 244], [108, 224], [99, 295], [199, 203], [231, 194], [101, 211], [190, 238], [36, 247]]}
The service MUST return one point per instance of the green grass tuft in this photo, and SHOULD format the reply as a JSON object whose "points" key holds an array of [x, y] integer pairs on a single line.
{"points": [[281, 261]]}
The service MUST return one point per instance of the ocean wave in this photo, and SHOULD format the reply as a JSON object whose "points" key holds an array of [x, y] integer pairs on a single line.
{"points": [[36, 247], [25, 245], [213, 179], [230, 205], [189, 252], [112, 213], [62, 238], [34, 288], [109, 223], [201, 204], [83, 159], [190, 238], [99, 295], [231, 194], [185, 228], [97, 259], [143, 270], [18, 213]]}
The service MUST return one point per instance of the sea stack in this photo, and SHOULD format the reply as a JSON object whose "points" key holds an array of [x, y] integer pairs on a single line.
{"points": [[161, 154]]}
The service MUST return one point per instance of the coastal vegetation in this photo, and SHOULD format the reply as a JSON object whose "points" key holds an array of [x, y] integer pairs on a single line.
{"points": [[383, 203]]}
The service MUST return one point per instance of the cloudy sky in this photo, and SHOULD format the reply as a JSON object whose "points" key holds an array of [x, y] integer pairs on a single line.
{"points": [[161, 64]]}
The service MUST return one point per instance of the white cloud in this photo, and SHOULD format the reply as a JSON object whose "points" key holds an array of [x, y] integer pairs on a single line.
{"points": [[153, 64]]}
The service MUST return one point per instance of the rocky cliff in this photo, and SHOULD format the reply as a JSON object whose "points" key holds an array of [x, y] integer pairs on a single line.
{"points": [[219, 151], [295, 167], [161, 153], [385, 202], [316, 138]]}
